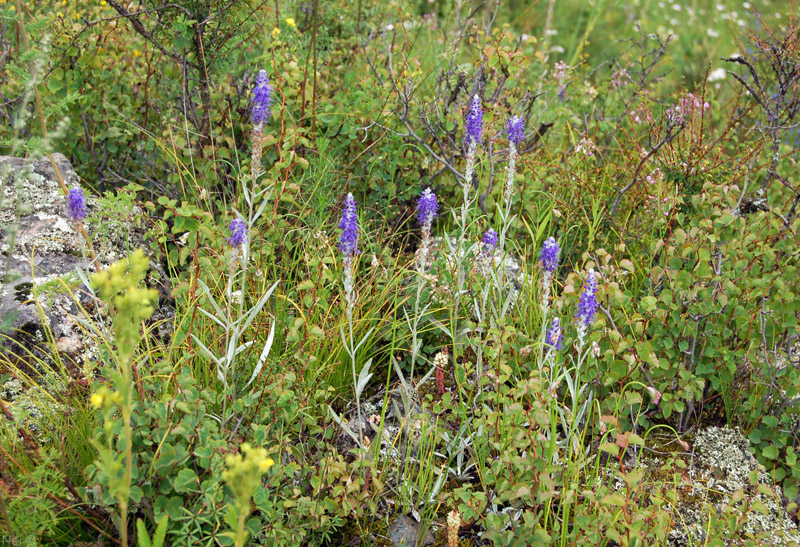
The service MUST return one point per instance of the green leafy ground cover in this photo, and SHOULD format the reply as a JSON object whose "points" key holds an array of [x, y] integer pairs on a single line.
{"points": [[308, 394]]}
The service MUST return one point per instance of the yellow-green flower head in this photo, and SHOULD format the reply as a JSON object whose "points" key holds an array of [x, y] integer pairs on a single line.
{"points": [[97, 400], [243, 473], [118, 286]]}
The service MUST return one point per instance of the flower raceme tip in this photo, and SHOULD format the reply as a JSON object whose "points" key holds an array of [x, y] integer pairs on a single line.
{"points": [[238, 233], [549, 255], [515, 130], [489, 241], [427, 208], [76, 203], [348, 241], [587, 304], [261, 104], [554, 337], [474, 125]]}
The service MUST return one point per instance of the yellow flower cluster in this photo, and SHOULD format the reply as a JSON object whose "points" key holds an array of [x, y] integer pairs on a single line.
{"points": [[243, 473], [118, 286], [104, 397]]}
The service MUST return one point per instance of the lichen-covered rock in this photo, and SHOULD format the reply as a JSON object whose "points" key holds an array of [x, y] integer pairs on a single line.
{"points": [[40, 250], [722, 466]]}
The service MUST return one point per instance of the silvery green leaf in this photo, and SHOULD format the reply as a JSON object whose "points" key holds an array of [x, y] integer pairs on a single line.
{"points": [[257, 308], [441, 327], [232, 343], [399, 372], [426, 377], [85, 280], [212, 317], [205, 350], [264, 353], [364, 339], [244, 346], [260, 207], [437, 487], [363, 377], [213, 301], [344, 426], [346, 343]]}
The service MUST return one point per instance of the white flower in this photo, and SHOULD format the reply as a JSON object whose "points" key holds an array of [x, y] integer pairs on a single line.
{"points": [[716, 75], [713, 33]]}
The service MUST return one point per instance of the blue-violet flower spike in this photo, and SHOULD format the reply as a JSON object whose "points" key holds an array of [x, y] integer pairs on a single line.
{"points": [[515, 130], [549, 255], [587, 305], [238, 233], [76, 203], [262, 99], [554, 336], [489, 241], [348, 242], [427, 208], [474, 125]]}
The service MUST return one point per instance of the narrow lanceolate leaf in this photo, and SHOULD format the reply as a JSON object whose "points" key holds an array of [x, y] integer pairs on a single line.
{"points": [[257, 308], [441, 327], [363, 377], [264, 354], [204, 350], [244, 346], [212, 317], [211, 299], [364, 338], [343, 425]]}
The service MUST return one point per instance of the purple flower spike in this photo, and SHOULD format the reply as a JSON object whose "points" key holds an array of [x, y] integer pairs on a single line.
{"points": [[474, 125], [587, 305], [427, 208], [554, 336], [76, 203], [549, 255], [262, 99], [238, 233], [515, 130], [348, 242], [489, 241]]}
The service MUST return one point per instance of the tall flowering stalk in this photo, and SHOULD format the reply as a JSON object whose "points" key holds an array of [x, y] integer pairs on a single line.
{"points": [[231, 313], [473, 130], [472, 137], [427, 209], [549, 258], [515, 130], [473, 134], [348, 245], [587, 307], [260, 113]]}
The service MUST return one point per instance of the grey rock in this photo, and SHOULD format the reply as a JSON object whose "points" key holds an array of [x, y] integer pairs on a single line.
{"points": [[404, 532], [40, 249]]}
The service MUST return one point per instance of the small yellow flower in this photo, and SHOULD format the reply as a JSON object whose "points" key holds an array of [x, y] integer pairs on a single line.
{"points": [[103, 3], [137, 53], [266, 464], [63, 2], [96, 400], [276, 32], [289, 21]]}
